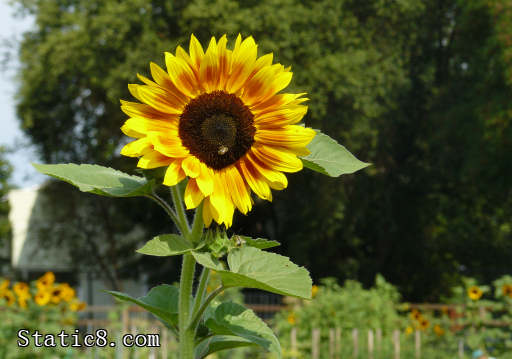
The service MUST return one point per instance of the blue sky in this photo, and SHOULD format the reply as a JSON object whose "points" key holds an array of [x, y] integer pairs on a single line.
{"points": [[11, 29]]}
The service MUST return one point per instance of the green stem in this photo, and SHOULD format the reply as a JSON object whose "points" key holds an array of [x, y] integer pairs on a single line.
{"points": [[197, 225], [197, 315], [186, 336], [178, 203], [166, 208], [201, 289]]}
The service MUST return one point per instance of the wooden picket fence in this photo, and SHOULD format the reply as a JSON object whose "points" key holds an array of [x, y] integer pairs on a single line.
{"points": [[371, 340]]}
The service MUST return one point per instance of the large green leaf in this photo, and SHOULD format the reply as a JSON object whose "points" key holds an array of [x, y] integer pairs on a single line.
{"points": [[330, 158], [220, 342], [96, 179], [260, 243], [251, 267], [166, 245], [234, 319], [161, 300]]}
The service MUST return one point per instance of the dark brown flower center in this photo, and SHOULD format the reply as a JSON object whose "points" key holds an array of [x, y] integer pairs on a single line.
{"points": [[217, 128]]}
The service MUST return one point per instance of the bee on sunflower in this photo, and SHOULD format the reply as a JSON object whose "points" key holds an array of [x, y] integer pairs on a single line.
{"points": [[218, 118]]}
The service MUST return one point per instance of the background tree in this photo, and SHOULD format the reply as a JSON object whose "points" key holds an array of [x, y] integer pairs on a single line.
{"points": [[418, 88], [5, 226]]}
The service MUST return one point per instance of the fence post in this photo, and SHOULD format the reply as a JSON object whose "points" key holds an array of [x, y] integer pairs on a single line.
{"points": [[355, 334], [461, 348], [396, 343], [338, 343], [370, 344], [293, 341], [315, 350], [379, 340], [165, 341], [331, 343], [417, 344]]}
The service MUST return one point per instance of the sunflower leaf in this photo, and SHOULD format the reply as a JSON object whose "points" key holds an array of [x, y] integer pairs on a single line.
{"points": [[166, 245], [330, 158], [260, 243], [231, 319], [96, 179], [220, 342], [162, 301], [251, 267]]}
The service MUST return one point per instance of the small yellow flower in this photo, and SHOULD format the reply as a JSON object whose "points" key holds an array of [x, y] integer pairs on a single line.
{"points": [[314, 291], [475, 293], [409, 330], [424, 324], [56, 293], [415, 315], [42, 298], [507, 290], [45, 281], [438, 330], [77, 306], [8, 296], [22, 302], [21, 289], [68, 293], [291, 318], [4, 285]]}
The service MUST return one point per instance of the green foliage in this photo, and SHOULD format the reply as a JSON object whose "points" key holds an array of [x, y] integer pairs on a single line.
{"points": [[98, 179], [233, 319], [330, 158], [166, 245], [5, 226], [253, 268]]}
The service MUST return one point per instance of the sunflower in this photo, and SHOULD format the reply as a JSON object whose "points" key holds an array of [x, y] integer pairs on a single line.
{"points": [[415, 315], [42, 298], [314, 291], [291, 319], [8, 296], [423, 323], [68, 293], [217, 117], [4, 284], [474, 292], [438, 330], [409, 330], [77, 306], [45, 281], [21, 289], [507, 290]]}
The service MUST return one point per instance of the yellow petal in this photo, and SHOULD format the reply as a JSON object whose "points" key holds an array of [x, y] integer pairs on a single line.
{"points": [[143, 126], [209, 70], [169, 145], [221, 201], [181, 75], [281, 117], [205, 180], [192, 166], [135, 109], [174, 174], [196, 52], [160, 100], [237, 189], [243, 59], [292, 136], [137, 148], [207, 212], [265, 83], [193, 195], [276, 180], [277, 159], [254, 179], [153, 159]]}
